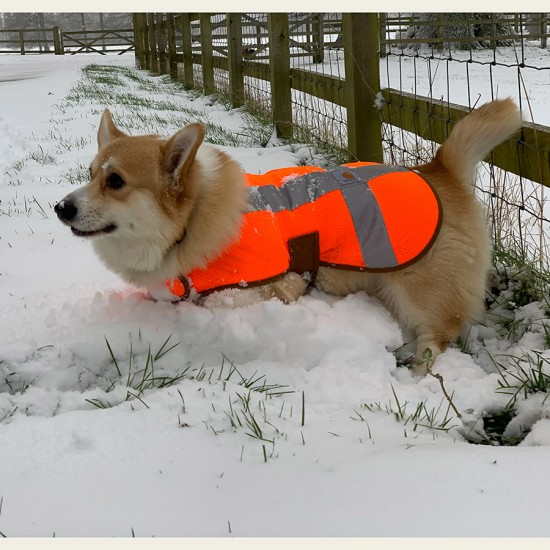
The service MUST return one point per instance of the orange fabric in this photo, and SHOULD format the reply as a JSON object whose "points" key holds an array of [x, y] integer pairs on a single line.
{"points": [[248, 259], [261, 252], [329, 216], [407, 235]]}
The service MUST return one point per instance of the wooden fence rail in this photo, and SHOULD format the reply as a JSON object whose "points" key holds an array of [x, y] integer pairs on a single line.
{"points": [[59, 42], [526, 154], [154, 55], [107, 41], [23, 41]]}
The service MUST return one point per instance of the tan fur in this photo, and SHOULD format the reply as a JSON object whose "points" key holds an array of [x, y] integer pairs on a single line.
{"points": [[180, 187]]}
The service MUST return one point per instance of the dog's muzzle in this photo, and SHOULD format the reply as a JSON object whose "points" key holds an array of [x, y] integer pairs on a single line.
{"points": [[67, 211]]}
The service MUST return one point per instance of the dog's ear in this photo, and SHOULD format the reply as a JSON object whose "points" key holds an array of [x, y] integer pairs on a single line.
{"points": [[107, 130], [181, 148]]}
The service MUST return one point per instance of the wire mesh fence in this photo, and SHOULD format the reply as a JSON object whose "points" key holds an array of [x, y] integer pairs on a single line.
{"points": [[316, 118], [469, 60], [255, 46], [433, 68]]}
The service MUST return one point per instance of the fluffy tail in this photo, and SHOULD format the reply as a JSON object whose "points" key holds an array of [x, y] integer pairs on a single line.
{"points": [[475, 136]]}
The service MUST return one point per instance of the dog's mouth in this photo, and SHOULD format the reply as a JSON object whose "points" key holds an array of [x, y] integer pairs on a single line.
{"points": [[104, 231]]}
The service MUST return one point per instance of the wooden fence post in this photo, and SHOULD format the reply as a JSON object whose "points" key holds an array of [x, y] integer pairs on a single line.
{"points": [[57, 41], [153, 59], [140, 22], [318, 36], [207, 54], [161, 42], [279, 64], [440, 31], [235, 59], [22, 42], [135, 26], [493, 31], [362, 86], [187, 47], [258, 34], [382, 33], [146, 43], [171, 36]]}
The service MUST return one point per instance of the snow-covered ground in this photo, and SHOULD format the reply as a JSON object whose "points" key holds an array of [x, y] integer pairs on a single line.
{"points": [[283, 421]]}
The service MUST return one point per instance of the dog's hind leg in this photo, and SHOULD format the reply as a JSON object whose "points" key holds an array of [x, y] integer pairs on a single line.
{"points": [[430, 345], [432, 341], [429, 310]]}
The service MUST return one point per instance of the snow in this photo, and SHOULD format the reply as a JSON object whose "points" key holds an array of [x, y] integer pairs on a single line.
{"points": [[82, 454]]}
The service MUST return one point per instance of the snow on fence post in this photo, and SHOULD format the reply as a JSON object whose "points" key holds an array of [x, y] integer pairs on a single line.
{"points": [[362, 86], [187, 49], [279, 64], [235, 59], [207, 54]]}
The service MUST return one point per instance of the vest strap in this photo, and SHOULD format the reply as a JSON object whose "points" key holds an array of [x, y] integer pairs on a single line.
{"points": [[304, 254]]}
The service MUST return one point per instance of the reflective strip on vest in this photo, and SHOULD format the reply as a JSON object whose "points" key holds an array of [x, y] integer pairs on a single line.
{"points": [[353, 183]]}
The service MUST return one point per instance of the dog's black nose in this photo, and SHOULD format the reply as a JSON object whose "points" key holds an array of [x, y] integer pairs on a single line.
{"points": [[65, 210]]}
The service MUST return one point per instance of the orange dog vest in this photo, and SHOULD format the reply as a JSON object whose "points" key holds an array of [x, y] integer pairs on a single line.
{"points": [[361, 216]]}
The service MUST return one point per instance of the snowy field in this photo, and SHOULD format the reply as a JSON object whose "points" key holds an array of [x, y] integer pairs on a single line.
{"points": [[274, 420]]}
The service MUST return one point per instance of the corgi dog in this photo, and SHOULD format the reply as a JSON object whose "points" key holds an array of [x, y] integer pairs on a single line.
{"points": [[160, 211]]}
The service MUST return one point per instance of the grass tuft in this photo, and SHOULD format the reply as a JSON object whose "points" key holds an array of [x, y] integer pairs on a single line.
{"points": [[436, 419], [525, 376], [139, 381], [143, 110]]}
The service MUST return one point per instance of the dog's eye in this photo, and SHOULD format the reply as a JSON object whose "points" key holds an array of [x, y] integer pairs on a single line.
{"points": [[114, 181]]}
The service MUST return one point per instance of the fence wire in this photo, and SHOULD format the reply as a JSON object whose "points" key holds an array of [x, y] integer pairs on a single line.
{"points": [[255, 40], [508, 59], [316, 47]]}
